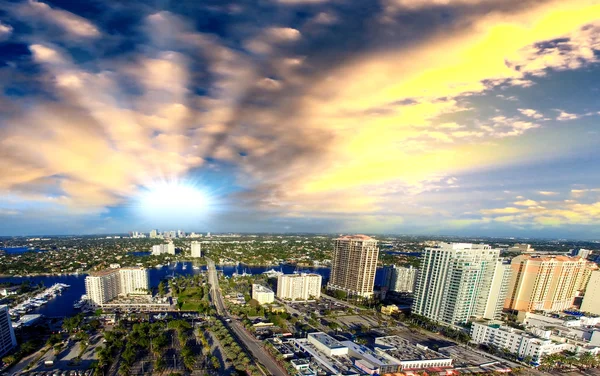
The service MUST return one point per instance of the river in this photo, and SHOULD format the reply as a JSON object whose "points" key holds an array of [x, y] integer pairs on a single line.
{"points": [[62, 305]]}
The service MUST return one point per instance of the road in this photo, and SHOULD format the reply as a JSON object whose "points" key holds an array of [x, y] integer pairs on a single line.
{"points": [[253, 345]]}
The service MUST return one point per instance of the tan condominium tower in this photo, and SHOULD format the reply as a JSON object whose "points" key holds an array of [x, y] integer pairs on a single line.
{"points": [[354, 264], [548, 283]]}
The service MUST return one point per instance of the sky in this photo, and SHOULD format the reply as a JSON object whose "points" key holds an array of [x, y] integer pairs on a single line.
{"points": [[457, 117]]}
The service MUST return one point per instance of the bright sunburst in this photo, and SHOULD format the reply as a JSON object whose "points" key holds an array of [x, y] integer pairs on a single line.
{"points": [[168, 199]]}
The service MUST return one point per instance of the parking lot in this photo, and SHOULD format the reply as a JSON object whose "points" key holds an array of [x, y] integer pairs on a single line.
{"points": [[320, 307]]}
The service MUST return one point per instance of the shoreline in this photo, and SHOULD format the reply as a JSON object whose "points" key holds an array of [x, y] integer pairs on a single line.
{"points": [[42, 275]]}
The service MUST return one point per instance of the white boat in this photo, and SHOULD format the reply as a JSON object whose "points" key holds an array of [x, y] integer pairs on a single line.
{"points": [[158, 266], [196, 267], [272, 273], [184, 267]]}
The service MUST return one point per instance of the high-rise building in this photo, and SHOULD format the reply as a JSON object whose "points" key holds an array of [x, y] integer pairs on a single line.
{"points": [[458, 281], [180, 234], [196, 249], [103, 286], [299, 286], [167, 248], [262, 294], [591, 299], [548, 283], [133, 281], [354, 264], [399, 279], [153, 234], [581, 252], [7, 335]]}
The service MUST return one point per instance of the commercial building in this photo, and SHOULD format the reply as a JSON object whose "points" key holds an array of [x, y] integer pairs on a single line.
{"points": [[518, 342], [262, 294], [354, 264], [458, 281], [591, 299], [7, 335], [153, 234], [167, 248], [299, 286], [340, 364], [411, 357], [196, 249], [104, 286], [327, 344], [370, 361], [399, 279], [548, 283]]}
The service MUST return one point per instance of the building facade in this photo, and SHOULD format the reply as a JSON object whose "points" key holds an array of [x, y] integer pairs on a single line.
{"points": [[548, 283], [458, 281], [354, 264], [167, 248], [515, 341], [196, 249], [591, 299], [262, 294], [299, 286], [8, 340], [102, 287], [399, 279], [133, 281]]}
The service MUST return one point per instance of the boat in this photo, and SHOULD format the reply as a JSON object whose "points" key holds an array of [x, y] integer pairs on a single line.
{"points": [[81, 302], [158, 266], [196, 267], [272, 273], [184, 267]]}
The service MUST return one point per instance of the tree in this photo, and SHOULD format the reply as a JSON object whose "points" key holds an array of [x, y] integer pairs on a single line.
{"points": [[161, 288]]}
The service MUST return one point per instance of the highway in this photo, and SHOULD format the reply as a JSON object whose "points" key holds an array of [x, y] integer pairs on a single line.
{"points": [[253, 345]]}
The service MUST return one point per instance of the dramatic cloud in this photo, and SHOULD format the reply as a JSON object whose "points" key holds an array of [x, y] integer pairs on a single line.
{"points": [[344, 112]]}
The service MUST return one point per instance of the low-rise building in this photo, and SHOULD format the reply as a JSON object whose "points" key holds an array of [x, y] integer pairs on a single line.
{"points": [[370, 361], [518, 342], [411, 357], [327, 344], [262, 294]]}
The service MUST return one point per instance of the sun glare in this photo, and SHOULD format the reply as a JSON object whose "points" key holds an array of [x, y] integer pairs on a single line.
{"points": [[173, 198]]}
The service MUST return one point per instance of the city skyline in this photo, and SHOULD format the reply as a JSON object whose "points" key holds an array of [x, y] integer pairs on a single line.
{"points": [[424, 117]]}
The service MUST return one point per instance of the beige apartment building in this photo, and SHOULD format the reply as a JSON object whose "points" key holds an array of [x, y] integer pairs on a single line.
{"points": [[548, 283], [299, 286], [591, 299], [103, 286], [354, 264]]}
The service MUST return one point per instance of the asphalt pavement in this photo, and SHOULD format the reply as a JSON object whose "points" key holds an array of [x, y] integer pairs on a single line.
{"points": [[253, 345]]}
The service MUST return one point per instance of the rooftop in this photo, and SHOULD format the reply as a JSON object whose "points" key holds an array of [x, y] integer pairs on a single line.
{"points": [[102, 273], [403, 350], [355, 237], [260, 288], [369, 355], [327, 340]]}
